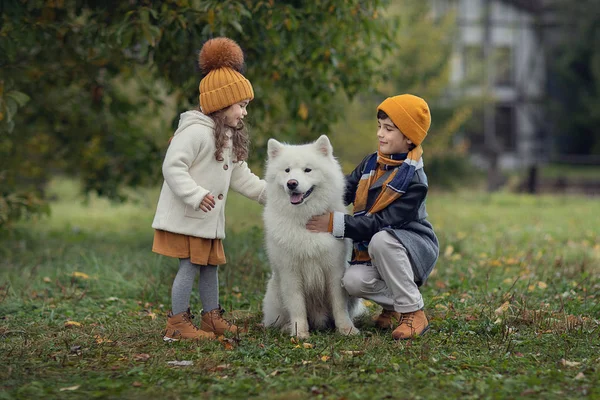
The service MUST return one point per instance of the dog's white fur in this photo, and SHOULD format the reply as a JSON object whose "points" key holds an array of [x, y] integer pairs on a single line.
{"points": [[305, 291]]}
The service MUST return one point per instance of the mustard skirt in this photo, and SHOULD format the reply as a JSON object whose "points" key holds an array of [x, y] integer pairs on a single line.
{"points": [[200, 251]]}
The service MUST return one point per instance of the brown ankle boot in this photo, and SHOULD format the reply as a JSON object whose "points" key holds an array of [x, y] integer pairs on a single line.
{"points": [[412, 324], [180, 326], [213, 321], [387, 319]]}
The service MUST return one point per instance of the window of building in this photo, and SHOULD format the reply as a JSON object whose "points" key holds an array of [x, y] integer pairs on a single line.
{"points": [[503, 64], [473, 63], [505, 127]]}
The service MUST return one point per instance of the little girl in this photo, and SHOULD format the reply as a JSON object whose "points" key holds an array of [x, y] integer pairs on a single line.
{"points": [[206, 156]]}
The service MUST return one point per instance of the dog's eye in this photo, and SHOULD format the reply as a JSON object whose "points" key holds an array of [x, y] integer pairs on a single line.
{"points": [[287, 170], [307, 170]]}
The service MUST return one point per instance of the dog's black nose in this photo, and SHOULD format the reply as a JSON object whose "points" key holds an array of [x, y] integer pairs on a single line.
{"points": [[292, 184]]}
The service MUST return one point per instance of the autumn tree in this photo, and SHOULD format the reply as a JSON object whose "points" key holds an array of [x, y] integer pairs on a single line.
{"points": [[82, 84]]}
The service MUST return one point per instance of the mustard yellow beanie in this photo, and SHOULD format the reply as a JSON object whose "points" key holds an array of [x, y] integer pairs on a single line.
{"points": [[410, 114], [222, 61]]}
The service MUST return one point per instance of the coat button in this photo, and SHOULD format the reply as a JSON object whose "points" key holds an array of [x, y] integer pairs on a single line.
{"points": [[225, 167], [220, 197]]}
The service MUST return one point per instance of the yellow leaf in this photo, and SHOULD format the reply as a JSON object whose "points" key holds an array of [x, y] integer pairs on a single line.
{"points": [[80, 275], [303, 111], [449, 250], [308, 345], [70, 388], [352, 352], [69, 324], [100, 339], [47, 279], [367, 303], [542, 285], [502, 309], [325, 358]]}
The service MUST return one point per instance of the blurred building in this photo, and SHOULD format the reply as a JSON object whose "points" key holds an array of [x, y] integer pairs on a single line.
{"points": [[500, 57]]}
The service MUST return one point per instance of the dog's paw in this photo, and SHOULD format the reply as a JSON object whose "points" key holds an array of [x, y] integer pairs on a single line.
{"points": [[301, 335], [348, 330]]}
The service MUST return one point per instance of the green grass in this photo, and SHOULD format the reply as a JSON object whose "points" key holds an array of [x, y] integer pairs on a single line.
{"points": [[537, 256]]}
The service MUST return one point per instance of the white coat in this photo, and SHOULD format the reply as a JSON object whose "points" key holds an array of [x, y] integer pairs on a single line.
{"points": [[191, 172]]}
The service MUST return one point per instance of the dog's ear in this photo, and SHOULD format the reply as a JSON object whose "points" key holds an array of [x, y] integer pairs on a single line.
{"points": [[273, 148], [324, 145]]}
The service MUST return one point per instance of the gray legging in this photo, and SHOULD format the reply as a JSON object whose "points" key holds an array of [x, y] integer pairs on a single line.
{"points": [[208, 286]]}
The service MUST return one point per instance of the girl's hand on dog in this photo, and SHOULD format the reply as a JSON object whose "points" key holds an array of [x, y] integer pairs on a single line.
{"points": [[318, 223], [208, 203]]}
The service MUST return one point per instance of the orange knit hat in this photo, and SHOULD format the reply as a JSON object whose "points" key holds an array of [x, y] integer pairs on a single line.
{"points": [[222, 60], [410, 114]]}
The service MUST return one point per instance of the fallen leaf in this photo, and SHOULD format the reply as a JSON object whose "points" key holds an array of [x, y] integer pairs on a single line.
{"points": [[579, 376], [449, 250], [180, 363], [222, 367], [502, 309], [70, 388], [112, 299], [325, 358], [274, 373], [542, 285], [304, 362], [47, 279], [352, 352], [69, 324], [100, 339], [227, 343], [141, 357], [137, 384], [80, 275], [567, 363], [308, 345]]}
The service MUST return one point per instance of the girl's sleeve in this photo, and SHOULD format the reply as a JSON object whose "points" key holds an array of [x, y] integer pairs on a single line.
{"points": [[246, 183], [181, 153]]}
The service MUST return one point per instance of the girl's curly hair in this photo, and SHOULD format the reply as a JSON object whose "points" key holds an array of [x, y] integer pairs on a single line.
{"points": [[240, 139]]}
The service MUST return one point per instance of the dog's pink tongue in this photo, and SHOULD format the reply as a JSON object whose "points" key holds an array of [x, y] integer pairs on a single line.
{"points": [[296, 198]]}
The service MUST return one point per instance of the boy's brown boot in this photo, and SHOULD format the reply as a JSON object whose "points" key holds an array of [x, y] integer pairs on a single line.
{"points": [[387, 319], [180, 326], [412, 324], [213, 321]]}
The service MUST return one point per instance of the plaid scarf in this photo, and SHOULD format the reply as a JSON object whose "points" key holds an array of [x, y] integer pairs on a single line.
{"points": [[404, 166]]}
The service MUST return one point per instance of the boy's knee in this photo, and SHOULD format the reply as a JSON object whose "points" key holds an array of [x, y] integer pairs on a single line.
{"points": [[379, 243], [353, 282]]}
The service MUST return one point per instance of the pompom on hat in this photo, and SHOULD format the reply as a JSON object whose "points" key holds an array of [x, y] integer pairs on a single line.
{"points": [[410, 114], [222, 61]]}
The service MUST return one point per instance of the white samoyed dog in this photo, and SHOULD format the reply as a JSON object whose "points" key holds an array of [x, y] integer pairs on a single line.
{"points": [[305, 290]]}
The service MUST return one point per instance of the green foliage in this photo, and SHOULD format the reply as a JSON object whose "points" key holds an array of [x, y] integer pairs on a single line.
{"points": [[513, 306], [575, 87], [98, 74], [418, 62]]}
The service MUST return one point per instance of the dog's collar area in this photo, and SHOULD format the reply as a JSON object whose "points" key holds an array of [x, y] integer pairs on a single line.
{"points": [[298, 198]]}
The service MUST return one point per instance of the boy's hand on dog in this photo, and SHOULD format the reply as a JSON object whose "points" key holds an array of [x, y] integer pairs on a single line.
{"points": [[318, 223], [208, 203]]}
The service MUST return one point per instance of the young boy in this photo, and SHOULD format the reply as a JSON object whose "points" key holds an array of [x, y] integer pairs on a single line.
{"points": [[395, 247]]}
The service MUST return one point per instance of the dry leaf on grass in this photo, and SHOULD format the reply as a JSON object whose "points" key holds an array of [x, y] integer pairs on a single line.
{"points": [[70, 324], [502, 309], [141, 357], [81, 275], [70, 388], [184, 363], [567, 363]]}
